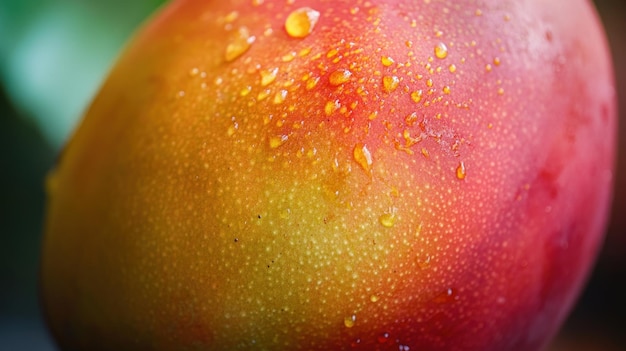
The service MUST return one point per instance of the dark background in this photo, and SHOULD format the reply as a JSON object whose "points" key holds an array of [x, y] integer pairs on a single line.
{"points": [[28, 146]]}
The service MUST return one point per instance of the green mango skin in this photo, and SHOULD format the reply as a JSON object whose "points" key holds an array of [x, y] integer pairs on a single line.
{"points": [[390, 175]]}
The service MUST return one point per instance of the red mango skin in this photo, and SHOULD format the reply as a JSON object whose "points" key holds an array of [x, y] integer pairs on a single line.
{"points": [[299, 193]]}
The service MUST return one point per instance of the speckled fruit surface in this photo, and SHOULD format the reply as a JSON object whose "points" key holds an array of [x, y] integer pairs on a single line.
{"points": [[334, 175]]}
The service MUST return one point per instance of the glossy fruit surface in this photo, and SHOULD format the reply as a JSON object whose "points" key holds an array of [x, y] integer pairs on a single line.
{"points": [[326, 175]]}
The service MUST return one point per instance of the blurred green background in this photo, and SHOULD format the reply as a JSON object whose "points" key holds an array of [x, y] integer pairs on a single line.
{"points": [[53, 56]]}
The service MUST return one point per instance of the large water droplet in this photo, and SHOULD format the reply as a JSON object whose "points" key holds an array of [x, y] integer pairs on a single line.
{"points": [[301, 22]]}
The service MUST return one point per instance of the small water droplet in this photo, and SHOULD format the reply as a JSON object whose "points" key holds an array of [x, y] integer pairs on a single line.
{"points": [[446, 90], [289, 57], [262, 95], [245, 91], [452, 68], [429, 82], [500, 91], [312, 82], [390, 83], [239, 44], [277, 140], [331, 106], [446, 296], [363, 157], [268, 76], [496, 61], [488, 67], [340, 76], [349, 321], [300, 22], [383, 337], [388, 219], [424, 263], [387, 61], [441, 51], [416, 96], [356, 343], [280, 97], [460, 171], [374, 298]]}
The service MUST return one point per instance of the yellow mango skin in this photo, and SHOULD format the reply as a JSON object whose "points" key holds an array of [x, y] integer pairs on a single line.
{"points": [[423, 175]]}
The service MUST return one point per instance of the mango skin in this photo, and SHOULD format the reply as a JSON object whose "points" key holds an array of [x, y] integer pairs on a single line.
{"points": [[203, 204]]}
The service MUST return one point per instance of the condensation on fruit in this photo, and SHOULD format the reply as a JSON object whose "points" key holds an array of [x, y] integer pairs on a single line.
{"points": [[363, 157], [239, 44], [300, 22], [268, 76], [340, 76], [460, 171], [349, 321], [441, 51], [390, 83], [388, 219]]}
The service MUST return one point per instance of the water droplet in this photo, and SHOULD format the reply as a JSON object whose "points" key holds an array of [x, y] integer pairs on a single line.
{"points": [[383, 337], [289, 57], [312, 82], [390, 83], [446, 296], [349, 321], [340, 76], [331, 106], [363, 157], [488, 67], [277, 140], [356, 343], [500, 91], [262, 95], [416, 96], [452, 68], [231, 17], [424, 263], [239, 44], [387, 61], [301, 22], [388, 219], [411, 119], [268, 76], [245, 91], [280, 97], [446, 90], [460, 171], [374, 298], [496, 61], [429, 82], [441, 51]]}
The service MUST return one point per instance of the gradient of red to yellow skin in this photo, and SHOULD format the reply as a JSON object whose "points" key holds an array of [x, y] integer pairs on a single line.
{"points": [[174, 222]]}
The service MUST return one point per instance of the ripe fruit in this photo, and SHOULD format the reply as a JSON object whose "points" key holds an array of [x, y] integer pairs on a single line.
{"points": [[324, 175]]}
